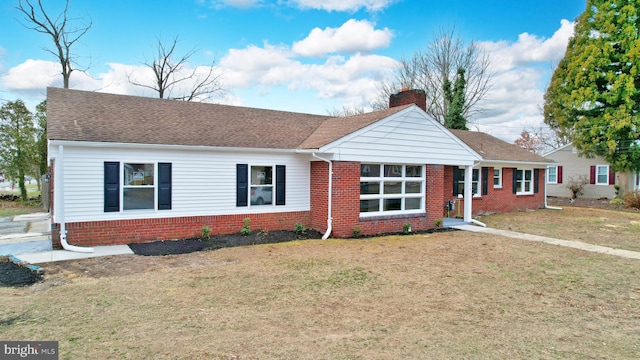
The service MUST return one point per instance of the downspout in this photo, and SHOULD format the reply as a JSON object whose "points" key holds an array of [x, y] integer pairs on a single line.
{"points": [[545, 194], [60, 202], [329, 192]]}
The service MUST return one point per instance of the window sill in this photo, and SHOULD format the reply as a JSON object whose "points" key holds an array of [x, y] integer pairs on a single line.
{"points": [[392, 217]]}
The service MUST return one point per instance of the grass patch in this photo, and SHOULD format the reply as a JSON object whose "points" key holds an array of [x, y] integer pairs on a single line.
{"points": [[14, 208]]}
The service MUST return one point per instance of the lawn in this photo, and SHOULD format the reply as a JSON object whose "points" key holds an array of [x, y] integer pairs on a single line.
{"points": [[449, 295]]}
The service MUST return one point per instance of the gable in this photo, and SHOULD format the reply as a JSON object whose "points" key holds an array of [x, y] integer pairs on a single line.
{"points": [[407, 136]]}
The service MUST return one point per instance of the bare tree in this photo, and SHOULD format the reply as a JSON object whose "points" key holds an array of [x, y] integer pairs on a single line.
{"points": [[59, 28], [346, 111], [173, 80], [430, 69]]}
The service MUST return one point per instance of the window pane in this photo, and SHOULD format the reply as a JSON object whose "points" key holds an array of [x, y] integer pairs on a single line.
{"points": [[475, 174], [392, 187], [412, 203], [518, 175], [413, 188], [528, 174], [370, 170], [261, 175], [496, 177], [261, 195], [369, 188], [138, 174], [519, 186], [414, 171], [392, 204], [552, 174], [369, 205], [527, 186], [393, 170], [138, 198]]}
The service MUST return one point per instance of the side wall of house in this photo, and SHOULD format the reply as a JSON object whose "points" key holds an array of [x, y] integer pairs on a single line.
{"points": [[203, 193], [575, 166], [497, 199]]}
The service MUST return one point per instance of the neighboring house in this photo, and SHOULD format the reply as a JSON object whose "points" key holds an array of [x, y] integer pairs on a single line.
{"points": [[131, 169], [599, 176], [507, 178]]}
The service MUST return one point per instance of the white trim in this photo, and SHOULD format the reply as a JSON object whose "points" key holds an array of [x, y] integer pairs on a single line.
{"points": [[111, 145], [549, 173], [524, 181], [606, 183], [403, 179], [499, 185]]}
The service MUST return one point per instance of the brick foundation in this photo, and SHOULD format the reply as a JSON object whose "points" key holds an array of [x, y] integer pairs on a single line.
{"points": [[119, 232]]}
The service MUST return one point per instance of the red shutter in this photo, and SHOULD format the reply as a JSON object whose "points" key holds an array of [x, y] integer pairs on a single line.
{"points": [[612, 176], [592, 175], [559, 175]]}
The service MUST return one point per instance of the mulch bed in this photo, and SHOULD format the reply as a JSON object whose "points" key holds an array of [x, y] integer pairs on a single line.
{"points": [[12, 274], [174, 247]]}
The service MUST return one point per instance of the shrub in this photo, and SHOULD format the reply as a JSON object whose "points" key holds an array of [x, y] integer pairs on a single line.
{"points": [[617, 202], [406, 229], [299, 229], [246, 228], [357, 231], [438, 223], [576, 185], [632, 199], [205, 232]]}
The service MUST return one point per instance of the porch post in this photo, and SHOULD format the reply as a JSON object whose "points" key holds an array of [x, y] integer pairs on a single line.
{"points": [[468, 194]]}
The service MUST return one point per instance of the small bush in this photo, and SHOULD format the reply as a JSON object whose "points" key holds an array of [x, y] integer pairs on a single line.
{"points": [[438, 223], [576, 185], [617, 202], [205, 233], [406, 229], [632, 199], [357, 231], [299, 229], [246, 228]]}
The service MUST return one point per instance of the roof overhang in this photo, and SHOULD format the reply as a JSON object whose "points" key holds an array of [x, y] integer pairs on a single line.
{"points": [[111, 145]]}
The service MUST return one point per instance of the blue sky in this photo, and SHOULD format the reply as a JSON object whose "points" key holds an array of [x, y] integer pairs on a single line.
{"points": [[298, 55]]}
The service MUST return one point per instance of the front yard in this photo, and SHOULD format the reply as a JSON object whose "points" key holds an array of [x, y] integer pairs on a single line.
{"points": [[446, 295]]}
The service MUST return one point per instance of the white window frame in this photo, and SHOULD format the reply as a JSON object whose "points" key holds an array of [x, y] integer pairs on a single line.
{"points": [[403, 195], [555, 175], [154, 186], [499, 184], [606, 175], [524, 182], [478, 183], [272, 185]]}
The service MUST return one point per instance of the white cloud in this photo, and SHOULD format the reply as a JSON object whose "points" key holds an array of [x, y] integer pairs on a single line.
{"points": [[353, 36], [522, 72], [243, 4], [343, 5]]}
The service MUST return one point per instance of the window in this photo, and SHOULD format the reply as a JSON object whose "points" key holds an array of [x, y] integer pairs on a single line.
{"points": [[391, 189], [497, 177], [458, 182], [145, 186], [552, 175], [259, 185], [523, 181], [602, 174]]}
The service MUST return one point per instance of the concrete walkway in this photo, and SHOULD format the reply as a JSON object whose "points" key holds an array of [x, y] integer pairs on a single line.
{"points": [[567, 243]]}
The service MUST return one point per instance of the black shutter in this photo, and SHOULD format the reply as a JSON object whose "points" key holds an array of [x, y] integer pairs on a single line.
{"points": [[281, 181], [164, 186], [514, 184], [536, 174], [456, 180], [111, 186], [242, 184], [485, 180]]}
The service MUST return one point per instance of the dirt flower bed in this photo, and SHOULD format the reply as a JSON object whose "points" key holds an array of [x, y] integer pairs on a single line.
{"points": [[15, 274]]}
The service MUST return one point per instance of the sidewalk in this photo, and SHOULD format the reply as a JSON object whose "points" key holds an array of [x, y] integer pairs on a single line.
{"points": [[567, 243]]}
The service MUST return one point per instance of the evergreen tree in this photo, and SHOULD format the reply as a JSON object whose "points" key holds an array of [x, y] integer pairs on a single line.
{"points": [[17, 142], [454, 99], [594, 95]]}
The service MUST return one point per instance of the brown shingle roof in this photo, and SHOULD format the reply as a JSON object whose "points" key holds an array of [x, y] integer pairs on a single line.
{"points": [[100, 117], [492, 148]]}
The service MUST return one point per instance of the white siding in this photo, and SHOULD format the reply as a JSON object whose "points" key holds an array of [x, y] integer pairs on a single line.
{"points": [[407, 137], [203, 182]]}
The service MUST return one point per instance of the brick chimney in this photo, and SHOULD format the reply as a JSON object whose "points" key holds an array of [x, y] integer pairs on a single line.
{"points": [[406, 96]]}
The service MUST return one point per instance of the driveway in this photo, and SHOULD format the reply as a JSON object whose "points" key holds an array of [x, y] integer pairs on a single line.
{"points": [[25, 234]]}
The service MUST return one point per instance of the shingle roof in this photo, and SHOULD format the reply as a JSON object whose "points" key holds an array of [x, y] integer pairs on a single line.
{"points": [[494, 149], [100, 117]]}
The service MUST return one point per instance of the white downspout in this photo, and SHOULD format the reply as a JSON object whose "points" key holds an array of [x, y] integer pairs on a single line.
{"points": [[545, 193], [329, 192], [60, 207]]}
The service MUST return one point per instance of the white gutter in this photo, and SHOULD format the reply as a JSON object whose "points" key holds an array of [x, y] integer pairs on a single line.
{"points": [[60, 201], [329, 192], [545, 194]]}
